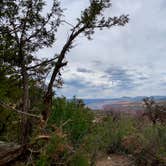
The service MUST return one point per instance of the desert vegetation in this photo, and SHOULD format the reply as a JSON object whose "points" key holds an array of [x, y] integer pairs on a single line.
{"points": [[73, 137]]}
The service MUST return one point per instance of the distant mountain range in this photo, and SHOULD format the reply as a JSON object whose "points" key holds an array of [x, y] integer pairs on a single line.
{"points": [[101, 103]]}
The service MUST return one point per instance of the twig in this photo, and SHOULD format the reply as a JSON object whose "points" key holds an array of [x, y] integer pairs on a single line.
{"points": [[42, 63], [66, 122], [68, 23], [33, 151], [43, 137]]}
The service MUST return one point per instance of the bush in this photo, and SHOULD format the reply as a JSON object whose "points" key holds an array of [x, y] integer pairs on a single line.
{"points": [[106, 137], [148, 145], [56, 150], [77, 141], [73, 116], [68, 124], [9, 126]]}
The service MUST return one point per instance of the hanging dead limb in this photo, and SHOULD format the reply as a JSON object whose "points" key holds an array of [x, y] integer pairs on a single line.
{"points": [[42, 63], [4, 105], [58, 131], [46, 137], [67, 23]]}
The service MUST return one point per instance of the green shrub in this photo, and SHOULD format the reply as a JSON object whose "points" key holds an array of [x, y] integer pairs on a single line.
{"points": [[155, 143], [43, 160], [77, 118], [76, 141], [9, 125], [68, 124], [148, 145], [53, 151], [107, 136]]}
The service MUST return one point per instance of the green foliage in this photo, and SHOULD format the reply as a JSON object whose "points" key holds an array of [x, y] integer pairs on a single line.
{"points": [[147, 144], [153, 145], [9, 125], [79, 160], [107, 136], [10, 93], [93, 17], [78, 118], [9, 87], [43, 161], [26, 18], [24, 29], [36, 94], [54, 151], [69, 123]]}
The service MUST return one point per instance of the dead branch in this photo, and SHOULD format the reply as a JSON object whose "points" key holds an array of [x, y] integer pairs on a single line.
{"points": [[47, 137], [42, 63], [66, 122], [18, 111]]}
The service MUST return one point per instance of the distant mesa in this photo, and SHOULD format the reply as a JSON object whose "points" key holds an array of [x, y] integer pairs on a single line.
{"points": [[123, 103]]}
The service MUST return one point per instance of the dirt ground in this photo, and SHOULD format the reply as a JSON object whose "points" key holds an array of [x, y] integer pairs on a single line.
{"points": [[114, 160]]}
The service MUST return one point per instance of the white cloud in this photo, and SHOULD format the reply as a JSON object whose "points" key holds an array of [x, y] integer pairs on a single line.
{"points": [[139, 48]]}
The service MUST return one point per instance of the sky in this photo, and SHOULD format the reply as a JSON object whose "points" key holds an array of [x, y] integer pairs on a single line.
{"points": [[121, 61]]}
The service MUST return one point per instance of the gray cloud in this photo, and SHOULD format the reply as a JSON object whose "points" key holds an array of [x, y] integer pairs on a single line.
{"points": [[122, 78], [76, 83], [84, 70], [116, 73]]}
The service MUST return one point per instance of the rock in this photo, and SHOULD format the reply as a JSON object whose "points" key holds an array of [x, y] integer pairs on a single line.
{"points": [[9, 152]]}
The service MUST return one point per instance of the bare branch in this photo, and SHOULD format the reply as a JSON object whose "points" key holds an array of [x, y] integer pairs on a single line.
{"points": [[67, 23], [42, 63], [47, 137], [65, 123], [18, 111]]}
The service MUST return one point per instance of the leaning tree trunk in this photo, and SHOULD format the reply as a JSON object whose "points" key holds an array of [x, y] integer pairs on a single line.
{"points": [[48, 96], [25, 107], [59, 64], [47, 105]]}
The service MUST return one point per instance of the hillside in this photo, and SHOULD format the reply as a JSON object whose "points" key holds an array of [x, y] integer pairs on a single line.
{"points": [[126, 104]]}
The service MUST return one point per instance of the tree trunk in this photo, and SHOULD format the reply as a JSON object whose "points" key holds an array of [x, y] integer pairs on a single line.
{"points": [[47, 105], [25, 107], [59, 64], [48, 96]]}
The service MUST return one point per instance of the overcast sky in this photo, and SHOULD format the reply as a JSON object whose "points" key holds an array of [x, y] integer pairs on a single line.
{"points": [[122, 61]]}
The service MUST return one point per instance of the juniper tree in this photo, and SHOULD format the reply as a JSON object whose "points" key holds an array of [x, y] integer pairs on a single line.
{"points": [[24, 29]]}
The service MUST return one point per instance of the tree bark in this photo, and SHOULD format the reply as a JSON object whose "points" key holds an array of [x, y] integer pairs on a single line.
{"points": [[48, 96], [25, 107]]}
